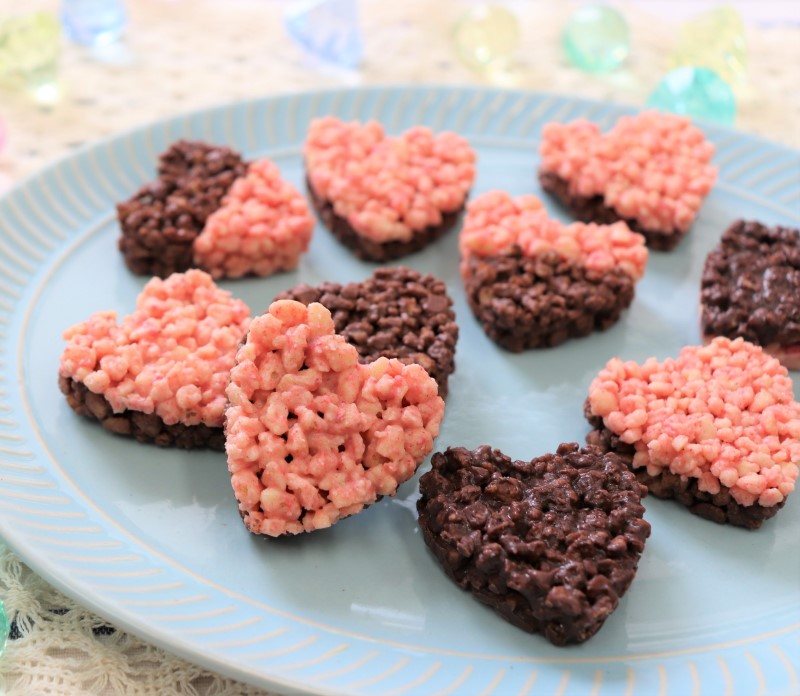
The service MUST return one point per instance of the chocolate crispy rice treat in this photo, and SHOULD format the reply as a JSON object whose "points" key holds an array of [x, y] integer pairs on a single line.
{"points": [[384, 196], [533, 282], [651, 171], [550, 544], [751, 288], [161, 221], [396, 313]]}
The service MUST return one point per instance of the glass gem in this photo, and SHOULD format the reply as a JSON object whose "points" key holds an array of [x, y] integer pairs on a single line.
{"points": [[486, 36], [2, 135], [695, 92], [327, 28], [93, 22], [29, 49], [5, 627], [714, 40], [596, 39]]}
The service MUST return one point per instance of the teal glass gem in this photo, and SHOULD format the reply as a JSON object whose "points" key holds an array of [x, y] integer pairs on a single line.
{"points": [[596, 39], [695, 92], [5, 627], [327, 28], [486, 37], [714, 40], [29, 49], [93, 22]]}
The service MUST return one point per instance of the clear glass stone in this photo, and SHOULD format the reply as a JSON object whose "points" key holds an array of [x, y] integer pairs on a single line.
{"points": [[695, 92], [715, 40], [93, 22], [596, 39], [327, 28], [486, 37]]}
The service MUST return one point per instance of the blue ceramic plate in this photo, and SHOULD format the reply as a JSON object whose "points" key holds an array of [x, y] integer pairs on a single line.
{"points": [[152, 539]]}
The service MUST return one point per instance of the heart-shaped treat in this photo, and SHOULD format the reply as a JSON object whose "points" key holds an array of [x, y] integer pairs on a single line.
{"points": [[550, 544], [651, 170], [396, 313], [208, 209], [717, 428], [751, 288], [314, 436], [160, 375], [384, 197], [532, 281]]}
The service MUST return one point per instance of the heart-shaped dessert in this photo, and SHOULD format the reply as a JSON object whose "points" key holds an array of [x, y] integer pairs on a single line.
{"points": [[384, 197], [751, 288], [395, 313], [314, 436], [717, 428], [533, 282], [550, 544], [208, 209], [651, 170], [160, 374]]}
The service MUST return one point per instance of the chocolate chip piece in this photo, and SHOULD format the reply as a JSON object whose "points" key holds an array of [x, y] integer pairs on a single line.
{"points": [[527, 539]]}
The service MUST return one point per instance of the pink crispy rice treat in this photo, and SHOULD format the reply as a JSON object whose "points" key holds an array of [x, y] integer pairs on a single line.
{"points": [[652, 168], [495, 223], [388, 188], [722, 414], [263, 226], [172, 357], [312, 435]]}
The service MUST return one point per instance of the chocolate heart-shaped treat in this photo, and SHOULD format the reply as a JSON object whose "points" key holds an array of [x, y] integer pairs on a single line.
{"points": [[550, 544], [534, 282], [210, 210], [751, 288], [395, 313], [160, 374], [314, 436], [651, 170], [716, 428], [382, 196]]}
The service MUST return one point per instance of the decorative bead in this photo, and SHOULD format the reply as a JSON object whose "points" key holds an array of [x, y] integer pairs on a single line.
{"points": [[2, 135], [714, 40], [5, 627], [327, 28], [93, 22], [486, 37], [696, 92], [596, 38], [29, 49]]}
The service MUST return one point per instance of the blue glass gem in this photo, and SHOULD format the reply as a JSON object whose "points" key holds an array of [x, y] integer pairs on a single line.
{"points": [[5, 627], [93, 22], [596, 39], [695, 92], [327, 28]]}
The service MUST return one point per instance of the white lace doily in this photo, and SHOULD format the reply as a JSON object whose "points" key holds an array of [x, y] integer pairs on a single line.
{"points": [[185, 54]]}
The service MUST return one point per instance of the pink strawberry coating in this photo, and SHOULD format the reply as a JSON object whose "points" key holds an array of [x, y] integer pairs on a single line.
{"points": [[171, 357], [263, 226], [386, 187], [722, 413], [654, 168], [496, 222], [312, 435]]}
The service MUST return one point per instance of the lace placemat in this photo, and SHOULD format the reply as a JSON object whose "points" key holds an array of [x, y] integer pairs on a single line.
{"points": [[183, 55]]}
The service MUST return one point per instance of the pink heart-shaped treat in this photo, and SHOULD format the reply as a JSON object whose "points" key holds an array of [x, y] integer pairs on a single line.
{"points": [[383, 196], [160, 374], [651, 170], [717, 428], [313, 436]]}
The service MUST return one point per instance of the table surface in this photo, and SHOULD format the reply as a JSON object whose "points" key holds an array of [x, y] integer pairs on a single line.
{"points": [[177, 56]]}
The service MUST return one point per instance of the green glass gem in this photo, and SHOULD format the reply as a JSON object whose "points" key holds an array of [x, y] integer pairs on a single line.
{"points": [[29, 49], [486, 37], [5, 627], [695, 92], [714, 40], [596, 39]]}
